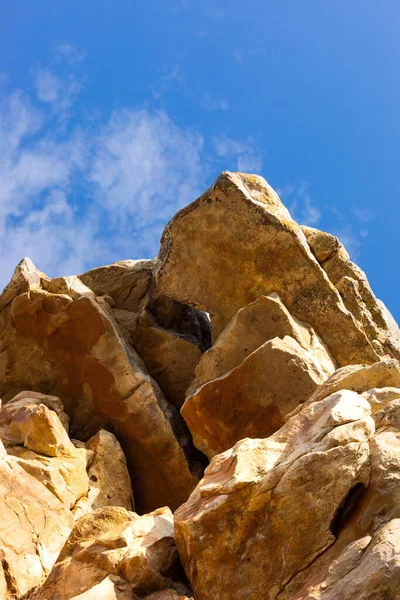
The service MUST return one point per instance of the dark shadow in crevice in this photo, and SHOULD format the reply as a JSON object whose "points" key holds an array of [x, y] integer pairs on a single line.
{"points": [[346, 508]]}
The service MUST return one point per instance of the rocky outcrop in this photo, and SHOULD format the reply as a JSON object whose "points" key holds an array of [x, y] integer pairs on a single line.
{"points": [[73, 347], [251, 341], [238, 242]]}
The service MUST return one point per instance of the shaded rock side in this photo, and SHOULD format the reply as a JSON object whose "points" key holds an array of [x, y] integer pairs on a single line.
{"points": [[238, 242], [73, 348], [253, 399]]}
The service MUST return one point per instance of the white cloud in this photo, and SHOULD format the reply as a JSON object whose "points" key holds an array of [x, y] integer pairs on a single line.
{"points": [[73, 198], [68, 53], [210, 103], [299, 203], [145, 166], [363, 214], [130, 176], [246, 155]]}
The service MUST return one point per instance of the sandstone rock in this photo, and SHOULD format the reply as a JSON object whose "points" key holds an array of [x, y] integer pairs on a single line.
{"points": [[108, 473], [360, 378], [134, 555], [238, 242], [27, 420], [34, 527], [127, 282], [170, 358], [356, 293], [363, 563], [264, 510], [252, 326], [64, 476], [76, 349], [253, 399]]}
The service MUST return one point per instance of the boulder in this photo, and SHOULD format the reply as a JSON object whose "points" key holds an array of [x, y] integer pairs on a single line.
{"points": [[253, 399], [74, 347], [355, 291], [109, 480], [252, 326], [108, 554], [266, 509], [170, 357], [34, 527], [236, 243]]}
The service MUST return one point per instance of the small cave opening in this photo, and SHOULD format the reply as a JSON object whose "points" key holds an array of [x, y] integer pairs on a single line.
{"points": [[346, 508]]}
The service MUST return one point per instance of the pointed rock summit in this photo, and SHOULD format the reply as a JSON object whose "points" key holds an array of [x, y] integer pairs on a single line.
{"points": [[219, 423]]}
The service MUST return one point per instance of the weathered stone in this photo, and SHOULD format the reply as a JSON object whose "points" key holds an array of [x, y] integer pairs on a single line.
{"points": [[253, 399], [238, 242], [135, 555], [127, 282], [86, 362], [108, 474], [264, 510], [27, 420], [360, 378], [364, 561], [252, 326], [356, 293], [34, 527]]}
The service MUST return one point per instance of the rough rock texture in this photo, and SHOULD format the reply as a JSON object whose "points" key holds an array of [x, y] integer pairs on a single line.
{"points": [[252, 326], [251, 341], [265, 508], [253, 399], [73, 347], [241, 221], [108, 473], [132, 556]]}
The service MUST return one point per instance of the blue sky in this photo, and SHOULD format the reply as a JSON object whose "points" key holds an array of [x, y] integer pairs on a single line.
{"points": [[113, 115]]}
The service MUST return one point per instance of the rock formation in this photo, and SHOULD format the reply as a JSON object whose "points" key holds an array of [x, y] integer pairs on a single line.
{"points": [[251, 342]]}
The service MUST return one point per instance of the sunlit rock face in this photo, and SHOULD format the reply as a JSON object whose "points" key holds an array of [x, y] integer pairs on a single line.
{"points": [[252, 342]]}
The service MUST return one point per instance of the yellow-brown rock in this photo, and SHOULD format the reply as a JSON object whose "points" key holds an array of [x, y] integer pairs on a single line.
{"points": [[355, 291], [252, 326], [132, 556], [34, 527], [238, 242], [170, 357], [76, 349], [109, 480], [265, 509], [253, 399]]}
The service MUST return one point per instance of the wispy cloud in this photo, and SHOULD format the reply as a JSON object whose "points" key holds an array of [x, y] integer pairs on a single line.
{"points": [[75, 197], [246, 156], [299, 202], [209, 102]]}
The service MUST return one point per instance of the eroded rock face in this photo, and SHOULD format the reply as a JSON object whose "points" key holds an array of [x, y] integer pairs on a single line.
{"points": [[106, 554], [241, 221], [253, 399], [76, 349], [42, 475], [265, 508]]}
